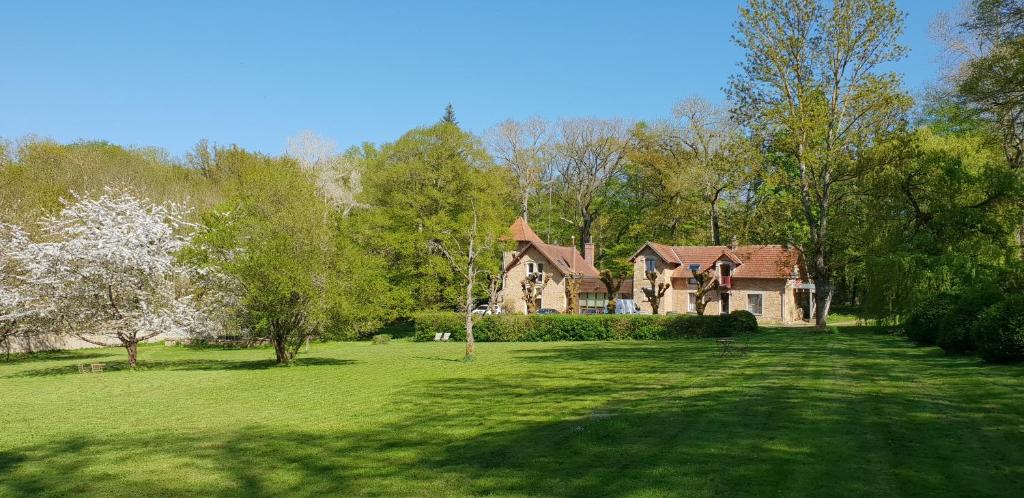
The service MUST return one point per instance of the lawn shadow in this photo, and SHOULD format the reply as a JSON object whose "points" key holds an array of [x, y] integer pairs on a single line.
{"points": [[184, 364]]}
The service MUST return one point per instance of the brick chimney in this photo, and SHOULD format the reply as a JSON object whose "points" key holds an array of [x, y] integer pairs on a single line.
{"points": [[588, 252], [733, 243]]}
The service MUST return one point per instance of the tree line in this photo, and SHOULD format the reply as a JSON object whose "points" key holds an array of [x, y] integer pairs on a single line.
{"points": [[817, 144]]}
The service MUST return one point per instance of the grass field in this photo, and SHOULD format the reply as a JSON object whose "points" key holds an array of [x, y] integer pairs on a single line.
{"points": [[854, 414]]}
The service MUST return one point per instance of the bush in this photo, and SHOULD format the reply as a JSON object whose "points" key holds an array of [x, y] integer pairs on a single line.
{"points": [[922, 326], [538, 328], [381, 339], [955, 333], [743, 322], [999, 331]]}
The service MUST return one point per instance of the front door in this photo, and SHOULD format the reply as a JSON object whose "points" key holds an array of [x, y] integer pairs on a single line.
{"points": [[725, 303]]}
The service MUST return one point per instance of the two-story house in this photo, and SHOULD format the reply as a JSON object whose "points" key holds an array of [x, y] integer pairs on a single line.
{"points": [[535, 258], [765, 280]]}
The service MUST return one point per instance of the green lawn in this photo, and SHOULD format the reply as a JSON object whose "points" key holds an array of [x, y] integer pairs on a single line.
{"points": [[858, 414]]}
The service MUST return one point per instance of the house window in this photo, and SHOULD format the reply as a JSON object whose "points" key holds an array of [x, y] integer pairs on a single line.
{"points": [[691, 305], [650, 265], [535, 268], [755, 303], [693, 267], [593, 302]]}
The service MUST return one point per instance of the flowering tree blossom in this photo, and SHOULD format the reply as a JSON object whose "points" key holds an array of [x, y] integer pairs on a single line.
{"points": [[337, 176], [105, 270], [20, 309]]}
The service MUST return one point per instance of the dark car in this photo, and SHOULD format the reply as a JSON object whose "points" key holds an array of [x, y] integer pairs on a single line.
{"points": [[548, 311], [592, 311]]}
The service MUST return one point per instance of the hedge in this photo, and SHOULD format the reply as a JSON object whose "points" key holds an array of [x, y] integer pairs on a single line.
{"points": [[538, 328], [956, 330], [999, 331], [922, 326]]}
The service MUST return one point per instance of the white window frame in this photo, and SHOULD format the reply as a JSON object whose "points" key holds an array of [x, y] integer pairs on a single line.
{"points": [[760, 296], [691, 302]]}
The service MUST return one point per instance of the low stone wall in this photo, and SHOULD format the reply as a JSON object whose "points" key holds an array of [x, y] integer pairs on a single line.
{"points": [[52, 342]]}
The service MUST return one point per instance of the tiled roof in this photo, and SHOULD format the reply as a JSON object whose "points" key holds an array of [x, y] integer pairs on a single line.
{"points": [[521, 231], [754, 261], [565, 259]]}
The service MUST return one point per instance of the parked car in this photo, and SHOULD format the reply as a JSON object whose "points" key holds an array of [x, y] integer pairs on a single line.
{"points": [[482, 310], [548, 311], [592, 311]]}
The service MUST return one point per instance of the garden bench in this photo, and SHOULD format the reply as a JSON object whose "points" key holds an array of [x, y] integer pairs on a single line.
{"points": [[727, 347], [96, 367], [82, 369]]}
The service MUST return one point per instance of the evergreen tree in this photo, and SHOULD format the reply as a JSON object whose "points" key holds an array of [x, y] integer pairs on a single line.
{"points": [[449, 115]]}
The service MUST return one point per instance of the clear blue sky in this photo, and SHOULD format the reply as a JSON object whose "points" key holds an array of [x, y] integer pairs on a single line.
{"points": [[253, 73]]}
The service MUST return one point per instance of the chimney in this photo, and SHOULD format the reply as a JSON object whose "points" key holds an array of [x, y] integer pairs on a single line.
{"points": [[732, 244], [588, 252]]}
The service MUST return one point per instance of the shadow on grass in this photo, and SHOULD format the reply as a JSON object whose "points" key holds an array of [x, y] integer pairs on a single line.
{"points": [[196, 364], [40, 356], [743, 440], [842, 415]]}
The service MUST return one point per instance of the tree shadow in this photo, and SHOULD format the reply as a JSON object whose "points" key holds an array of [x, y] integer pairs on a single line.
{"points": [[184, 364]]}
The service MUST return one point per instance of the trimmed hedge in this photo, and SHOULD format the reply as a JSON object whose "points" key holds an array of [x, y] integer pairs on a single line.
{"points": [[956, 330], [539, 328], [922, 326], [999, 331]]}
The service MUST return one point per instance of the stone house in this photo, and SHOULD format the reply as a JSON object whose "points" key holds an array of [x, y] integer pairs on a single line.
{"points": [[766, 280], [532, 256]]}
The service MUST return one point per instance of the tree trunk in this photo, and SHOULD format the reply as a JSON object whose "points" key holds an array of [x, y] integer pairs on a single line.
{"points": [[132, 346], [822, 291], [280, 349], [470, 342], [526, 206], [716, 232], [588, 222]]}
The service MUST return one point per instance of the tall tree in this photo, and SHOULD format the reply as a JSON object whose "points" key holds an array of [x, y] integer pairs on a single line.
{"points": [[524, 148], [416, 188], [812, 81], [590, 153], [720, 158]]}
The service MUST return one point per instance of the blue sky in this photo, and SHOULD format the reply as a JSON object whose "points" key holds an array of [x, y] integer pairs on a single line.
{"points": [[254, 73]]}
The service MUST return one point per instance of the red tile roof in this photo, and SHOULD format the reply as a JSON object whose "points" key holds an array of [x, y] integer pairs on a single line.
{"points": [[564, 258], [521, 231], [754, 261]]}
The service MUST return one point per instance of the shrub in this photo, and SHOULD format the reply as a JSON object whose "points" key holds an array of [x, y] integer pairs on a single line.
{"points": [[381, 339], [955, 332], [999, 331], [697, 326], [922, 325], [743, 322]]}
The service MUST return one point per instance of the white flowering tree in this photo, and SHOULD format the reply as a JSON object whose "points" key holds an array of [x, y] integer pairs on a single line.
{"points": [[104, 270], [20, 308]]}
